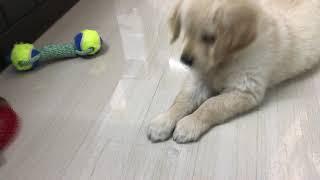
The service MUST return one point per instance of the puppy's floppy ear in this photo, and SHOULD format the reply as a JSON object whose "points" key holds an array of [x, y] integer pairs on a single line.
{"points": [[175, 22], [236, 27]]}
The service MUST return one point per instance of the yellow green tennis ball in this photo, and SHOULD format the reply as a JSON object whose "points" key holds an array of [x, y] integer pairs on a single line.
{"points": [[21, 55], [88, 41]]}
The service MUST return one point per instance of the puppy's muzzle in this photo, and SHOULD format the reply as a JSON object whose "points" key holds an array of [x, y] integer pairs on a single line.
{"points": [[186, 59]]}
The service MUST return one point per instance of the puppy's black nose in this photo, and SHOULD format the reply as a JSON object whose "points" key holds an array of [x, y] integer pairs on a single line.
{"points": [[186, 59]]}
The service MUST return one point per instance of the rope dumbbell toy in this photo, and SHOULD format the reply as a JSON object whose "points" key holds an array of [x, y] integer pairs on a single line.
{"points": [[25, 56]]}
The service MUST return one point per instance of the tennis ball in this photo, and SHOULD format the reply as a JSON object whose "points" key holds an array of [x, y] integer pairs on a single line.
{"points": [[88, 40], [21, 55]]}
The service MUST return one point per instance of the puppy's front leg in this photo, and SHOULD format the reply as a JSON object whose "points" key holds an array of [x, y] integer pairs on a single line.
{"points": [[193, 93], [215, 110]]}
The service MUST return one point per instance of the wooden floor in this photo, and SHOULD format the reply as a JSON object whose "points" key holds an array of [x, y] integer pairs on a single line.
{"points": [[86, 119]]}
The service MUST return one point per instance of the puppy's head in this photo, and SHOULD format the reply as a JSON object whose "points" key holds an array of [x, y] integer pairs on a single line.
{"points": [[214, 30]]}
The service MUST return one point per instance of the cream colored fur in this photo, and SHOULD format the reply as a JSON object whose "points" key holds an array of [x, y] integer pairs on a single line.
{"points": [[258, 44]]}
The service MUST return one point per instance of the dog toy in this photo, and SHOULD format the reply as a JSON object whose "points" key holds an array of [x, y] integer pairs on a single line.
{"points": [[9, 124], [25, 56]]}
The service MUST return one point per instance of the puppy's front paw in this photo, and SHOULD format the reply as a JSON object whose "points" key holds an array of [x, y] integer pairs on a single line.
{"points": [[187, 130], [160, 128]]}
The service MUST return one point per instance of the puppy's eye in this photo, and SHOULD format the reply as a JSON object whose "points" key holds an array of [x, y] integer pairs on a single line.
{"points": [[208, 38]]}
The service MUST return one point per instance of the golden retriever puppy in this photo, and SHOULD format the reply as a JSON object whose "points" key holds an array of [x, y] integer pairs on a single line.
{"points": [[238, 49]]}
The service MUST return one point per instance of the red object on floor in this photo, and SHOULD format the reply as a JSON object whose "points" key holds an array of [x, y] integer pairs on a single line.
{"points": [[8, 124]]}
